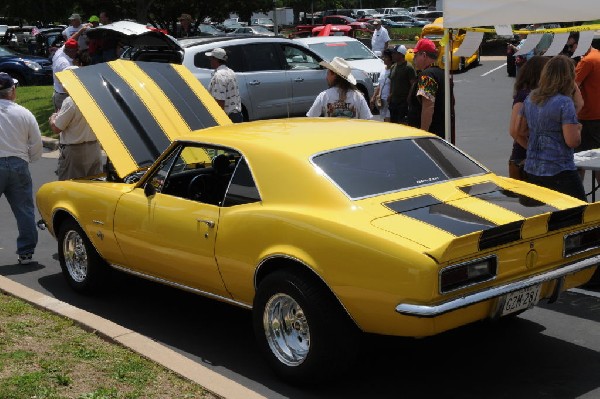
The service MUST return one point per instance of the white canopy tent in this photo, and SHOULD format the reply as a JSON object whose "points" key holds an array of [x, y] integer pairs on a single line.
{"points": [[471, 13], [479, 13]]}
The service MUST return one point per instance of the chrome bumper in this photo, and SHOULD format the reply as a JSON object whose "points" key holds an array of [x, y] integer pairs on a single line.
{"points": [[494, 292]]}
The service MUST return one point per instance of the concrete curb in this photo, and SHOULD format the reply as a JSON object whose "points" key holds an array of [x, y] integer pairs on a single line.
{"points": [[209, 379], [50, 143]]}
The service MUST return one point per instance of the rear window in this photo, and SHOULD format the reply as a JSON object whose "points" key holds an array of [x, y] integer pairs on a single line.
{"points": [[390, 166]]}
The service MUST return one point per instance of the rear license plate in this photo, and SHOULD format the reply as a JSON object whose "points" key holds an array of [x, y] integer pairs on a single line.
{"points": [[522, 299]]}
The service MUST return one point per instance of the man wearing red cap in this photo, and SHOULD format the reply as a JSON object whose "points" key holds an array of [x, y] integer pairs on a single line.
{"points": [[426, 99], [62, 59]]}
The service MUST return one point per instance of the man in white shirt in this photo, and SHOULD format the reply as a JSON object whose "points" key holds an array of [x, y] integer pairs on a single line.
{"points": [[80, 152], [380, 39], [20, 144], [223, 85], [61, 60]]}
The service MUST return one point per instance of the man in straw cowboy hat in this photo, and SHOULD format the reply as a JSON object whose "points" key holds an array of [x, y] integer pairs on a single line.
{"points": [[342, 99]]}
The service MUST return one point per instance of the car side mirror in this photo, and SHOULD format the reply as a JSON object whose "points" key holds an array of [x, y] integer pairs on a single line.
{"points": [[149, 189]]}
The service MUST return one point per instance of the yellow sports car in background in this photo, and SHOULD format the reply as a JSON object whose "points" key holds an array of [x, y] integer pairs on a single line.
{"points": [[435, 32], [323, 228]]}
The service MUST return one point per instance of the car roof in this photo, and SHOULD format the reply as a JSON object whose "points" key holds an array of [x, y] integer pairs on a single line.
{"points": [[229, 40], [306, 136], [323, 39]]}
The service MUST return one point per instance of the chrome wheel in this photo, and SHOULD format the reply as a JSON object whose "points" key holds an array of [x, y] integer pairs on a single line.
{"points": [[75, 255], [286, 329]]}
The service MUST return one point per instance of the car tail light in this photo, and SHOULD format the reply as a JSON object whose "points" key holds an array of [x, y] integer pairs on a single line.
{"points": [[466, 274], [581, 241]]}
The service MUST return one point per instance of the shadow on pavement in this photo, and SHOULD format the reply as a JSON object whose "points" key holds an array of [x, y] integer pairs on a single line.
{"points": [[506, 359]]}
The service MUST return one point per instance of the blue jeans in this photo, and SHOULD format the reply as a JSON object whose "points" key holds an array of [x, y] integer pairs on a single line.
{"points": [[15, 184]]}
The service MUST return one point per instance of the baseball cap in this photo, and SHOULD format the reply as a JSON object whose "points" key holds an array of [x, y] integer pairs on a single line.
{"points": [[217, 53], [75, 16], [94, 18], [401, 48], [71, 43], [6, 81], [425, 45]]}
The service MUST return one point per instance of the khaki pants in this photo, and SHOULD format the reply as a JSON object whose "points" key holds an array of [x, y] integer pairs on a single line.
{"points": [[79, 160]]}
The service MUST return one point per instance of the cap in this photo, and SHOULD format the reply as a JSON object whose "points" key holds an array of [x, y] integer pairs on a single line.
{"points": [[6, 81], [94, 18], [376, 22], [71, 43], [425, 45], [340, 67], [74, 16], [185, 16], [217, 53], [401, 48]]}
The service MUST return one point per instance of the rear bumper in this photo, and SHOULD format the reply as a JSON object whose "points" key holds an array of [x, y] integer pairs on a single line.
{"points": [[559, 274]]}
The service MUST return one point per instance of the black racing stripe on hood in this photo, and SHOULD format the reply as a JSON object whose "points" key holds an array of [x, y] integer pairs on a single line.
{"points": [[517, 203], [501, 235], [192, 110], [129, 116], [566, 218], [428, 209]]}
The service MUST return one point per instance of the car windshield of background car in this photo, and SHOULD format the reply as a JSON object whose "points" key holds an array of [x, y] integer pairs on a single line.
{"points": [[350, 51], [5, 51], [390, 166]]}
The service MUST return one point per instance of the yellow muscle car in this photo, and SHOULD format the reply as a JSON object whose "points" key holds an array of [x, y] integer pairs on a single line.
{"points": [[323, 228], [435, 32]]}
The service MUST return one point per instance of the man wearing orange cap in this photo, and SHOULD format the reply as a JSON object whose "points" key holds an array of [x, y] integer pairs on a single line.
{"points": [[60, 61], [426, 98]]}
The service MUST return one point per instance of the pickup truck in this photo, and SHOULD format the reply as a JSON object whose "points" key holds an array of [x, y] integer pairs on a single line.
{"points": [[307, 30]]}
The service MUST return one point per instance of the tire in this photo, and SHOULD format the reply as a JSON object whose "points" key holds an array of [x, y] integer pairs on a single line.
{"points": [[82, 266], [595, 280], [462, 64], [301, 329]]}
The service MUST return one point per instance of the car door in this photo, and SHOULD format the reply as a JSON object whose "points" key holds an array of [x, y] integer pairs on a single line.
{"points": [[269, 91], [167, 233], [306, 76]]}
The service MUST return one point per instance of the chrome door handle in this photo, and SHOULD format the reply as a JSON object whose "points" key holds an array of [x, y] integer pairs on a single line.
{"points": [[299, 80], [254, 83], [209, 223]]}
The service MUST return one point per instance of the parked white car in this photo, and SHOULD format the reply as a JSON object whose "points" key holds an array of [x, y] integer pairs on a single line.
{"points": [[354, 51]]}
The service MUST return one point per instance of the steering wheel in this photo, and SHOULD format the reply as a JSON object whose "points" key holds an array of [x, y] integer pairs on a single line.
{"points": [[197, 188]]}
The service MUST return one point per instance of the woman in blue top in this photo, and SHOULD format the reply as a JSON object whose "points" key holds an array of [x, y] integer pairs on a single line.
{"points": [[549, 129]]}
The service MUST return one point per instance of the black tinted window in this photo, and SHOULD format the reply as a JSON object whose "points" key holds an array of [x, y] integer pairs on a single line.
{"points": [[242, 189], [262, 57], [235, 59], [394, 165]]}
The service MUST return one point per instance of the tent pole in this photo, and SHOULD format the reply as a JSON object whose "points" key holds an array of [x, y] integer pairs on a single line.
{"points": [[448, 98]]}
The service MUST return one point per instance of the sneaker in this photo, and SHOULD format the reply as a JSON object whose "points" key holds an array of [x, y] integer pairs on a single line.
{"points": [[25, 259]]}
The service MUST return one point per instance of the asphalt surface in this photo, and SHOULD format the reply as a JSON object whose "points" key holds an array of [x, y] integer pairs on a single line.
{"points": [[551, 351]]}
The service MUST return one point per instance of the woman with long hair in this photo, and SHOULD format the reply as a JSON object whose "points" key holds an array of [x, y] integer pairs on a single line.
{"points": [[549, 129], [342, 98], [527, 80]]}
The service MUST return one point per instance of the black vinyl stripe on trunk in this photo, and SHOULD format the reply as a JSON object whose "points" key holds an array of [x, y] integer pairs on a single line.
{"points": [[566, 218], [133, 122], [517, 203], [446, 217], [501, 235], [192, 110]]}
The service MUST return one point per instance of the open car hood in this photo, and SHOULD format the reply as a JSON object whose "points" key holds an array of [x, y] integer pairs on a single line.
{"points": [[134, 35], [136, 109]]}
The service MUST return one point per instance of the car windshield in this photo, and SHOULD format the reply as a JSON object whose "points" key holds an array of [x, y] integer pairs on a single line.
{"points": [[205, 28], [5, 51], [261, 29], [351, 50], [383, 167]]}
